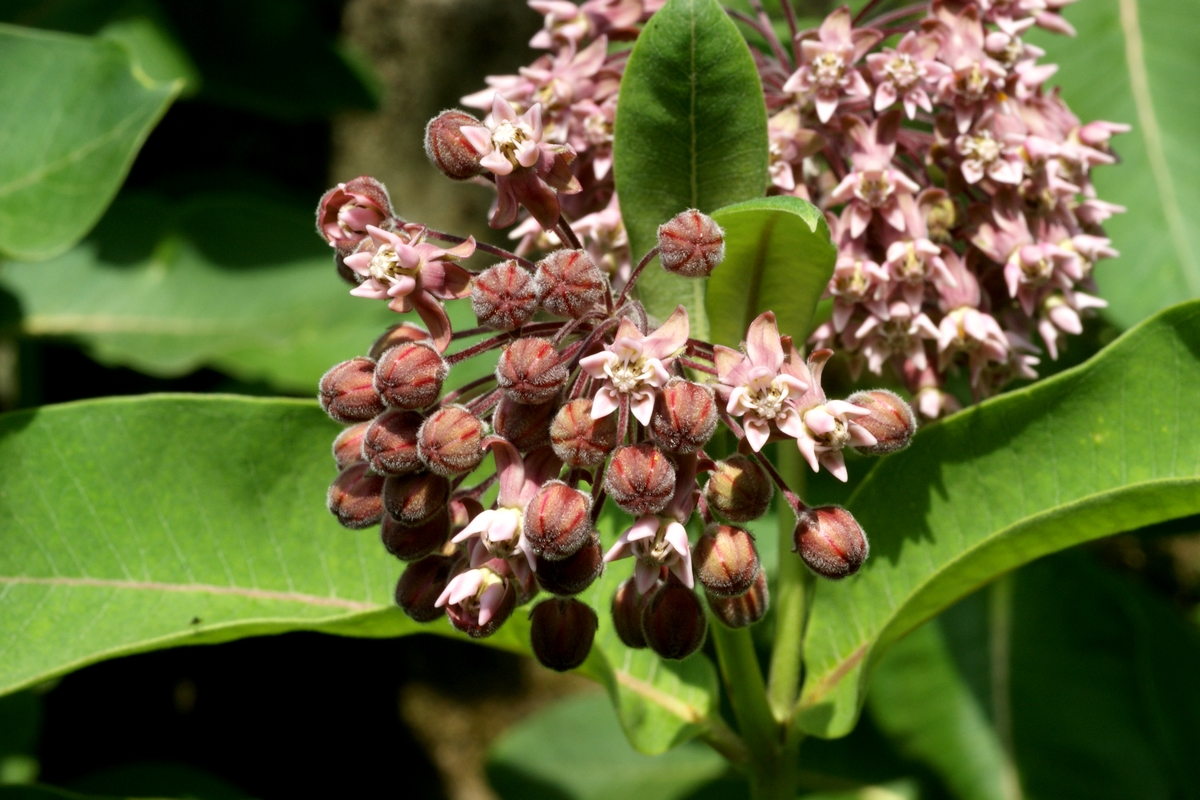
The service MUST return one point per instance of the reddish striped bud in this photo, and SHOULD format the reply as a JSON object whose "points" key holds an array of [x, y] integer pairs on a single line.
{"points": [[557, 522], [725, 560], [627, 605], [347, 393], [355, 497], [640, 479], [412, 499], [830, 541], [347, 447], [504, 296], [526, 426], [409, 543], [673, 621], [573, 574], [448, 149], [450, 442], [410, 375], [685, 417], [561, 632], [531, 371], [398, 334], [390, 443], [891, 421], [422, 582], [738, 489], [744, 609], [691, 244], [579, 440], [569, 283]]}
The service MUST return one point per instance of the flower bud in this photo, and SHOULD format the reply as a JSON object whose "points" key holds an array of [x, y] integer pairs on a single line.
{"points": [[640, 479], [346, 391], [390, 442], [344, 271], [347, 209], [673, 621], [412, 499], [422, 582], [745, 609], [830, 541], [561, 632], [410, 375], [573, 574], [579, 440], [355, 497], [448, 149], [691, 244], [725, 560], [685, 417], [504, 296], [347, 447], [409, 543], [527, 427], [627, 605], [398, 334], [569, 284], [557, 522], [450, 442], [891, 421], [530, 371], [738, 489]]}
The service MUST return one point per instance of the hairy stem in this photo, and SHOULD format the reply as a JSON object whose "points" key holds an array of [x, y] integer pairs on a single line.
{"points": [[491, 249], [633, 276]]}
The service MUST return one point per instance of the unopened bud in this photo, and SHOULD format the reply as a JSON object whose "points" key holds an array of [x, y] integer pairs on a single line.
{"points": [[531, 371], [745, 609], [557, 521], [448, 149], [685, 417], [725, 560], [673, 621], [691, 244], [573, 574], [527, 427], [569, 283], [390, 443], [561, 632], [640, 479], [891, 421], [579, 440], [348, 446], [347, 393], [410, 375], [355, 497], [344, 271], [398, 334], [830, 541], [412, 499], [422, 582], [738, 489], [451, 441], [627, 605], [409, 543], [504, 296]]}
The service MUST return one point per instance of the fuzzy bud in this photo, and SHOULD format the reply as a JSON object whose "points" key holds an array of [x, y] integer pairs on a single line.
{"points": [[627, 605], [891, 421], [725, 560], [504, 296], [411, 543], [830, 541], [573, 574], [557, 522], [530, 371], [448, 149], [398, 334], [673, 621], [640, 479], [347, 447], [422, 582], [413, 499], [346, 391], [569, 283], [685, 417], [390, 442], [527, 427], [561, 632], [691, 244], [451, 441], [745, 609], [579, 440], [410, 375], [344, 271], [355, 497], [738, 489]]}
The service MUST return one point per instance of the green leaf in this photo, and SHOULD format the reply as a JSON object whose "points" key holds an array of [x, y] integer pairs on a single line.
{"points": [[76, 114], [43, 793], [158, 779], [1105, 447], [778, 257], [1142, 52], [691, 132], [155, 53]]}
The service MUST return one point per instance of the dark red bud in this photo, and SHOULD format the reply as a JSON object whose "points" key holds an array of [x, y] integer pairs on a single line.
{"points": [[451, 441], [347, 447], [409, 543], [579, 440], [891, 421], [412, 499], [410, 375], [725, 560], [830, 541], [527, 427], [640, 479], [561, 632], [627, 615], [685, 417], [448, 149], [344, 272], [557, 522], [673, 621], [569, 283], [745, 609], [390, 443], [573, 574], [531, 371], [691, 244], [504, 296], [422, 582], [738, 489], [347, 393], [355, 497], [468, 623], [398, 334]]}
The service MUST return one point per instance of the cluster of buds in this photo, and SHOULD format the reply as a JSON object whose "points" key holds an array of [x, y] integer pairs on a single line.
{"points": [[591, 403]]}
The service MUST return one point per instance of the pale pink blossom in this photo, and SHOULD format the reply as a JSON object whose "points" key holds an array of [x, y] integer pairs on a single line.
{"points": [[828, 425], [635, 366], [827, 59], [907, 73], [478, 594], [875, 185]]}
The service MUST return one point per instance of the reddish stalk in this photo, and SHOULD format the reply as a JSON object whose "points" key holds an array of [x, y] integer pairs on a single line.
{"points": [[491, 249], [633, 276]]}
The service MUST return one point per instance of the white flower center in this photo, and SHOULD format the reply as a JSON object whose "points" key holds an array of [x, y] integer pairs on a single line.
{"points": [[973, 84], [874, 188], [503, 548], [629, 374], [768, 401], [385, 265], [982, 147], [902, 71], [827, 70], [506, 137], [837, 438]]}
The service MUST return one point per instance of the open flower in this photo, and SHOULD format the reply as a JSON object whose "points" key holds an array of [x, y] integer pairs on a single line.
{"points": [[874, 185], [827, 59], [906, 73], [828, 425], [636, 365]]}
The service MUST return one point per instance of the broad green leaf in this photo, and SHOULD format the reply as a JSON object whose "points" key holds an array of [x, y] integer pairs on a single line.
{"points": [[134, 524], [1134, 61], [75, 112], [155, 52], [778, 257], [45, 793], [691, 132], [1105, 447], [158, 779]]}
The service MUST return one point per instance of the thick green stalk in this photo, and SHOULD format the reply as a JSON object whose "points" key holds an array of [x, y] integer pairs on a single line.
{"points": [[791, 593]]}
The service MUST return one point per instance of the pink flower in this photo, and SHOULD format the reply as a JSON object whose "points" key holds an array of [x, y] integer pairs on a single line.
{"points": [[874, 186], [828, 425], [478, 595], [975, 77], [347, 209], [1060, 312], [906, 73], [827, 59], [655, 542], [789, 145], [985, 152], [635, 366], [903, 334]]}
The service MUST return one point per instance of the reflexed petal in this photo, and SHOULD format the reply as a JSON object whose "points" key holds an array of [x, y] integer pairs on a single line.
{"points": [[371, 289], [758, 431], [762, 342], [479, 524], [496, 163], [833, 461], [646, 527], [594, 365], [808, 449], [820, 421], [645, 576], [479, 137], [641, 405], [670, 336], [605, 402], [489, 602]]}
